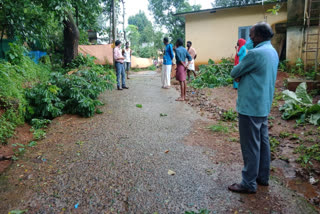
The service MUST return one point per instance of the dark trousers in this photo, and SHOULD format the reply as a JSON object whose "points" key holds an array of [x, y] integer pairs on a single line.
{"points": [[255, 149]]}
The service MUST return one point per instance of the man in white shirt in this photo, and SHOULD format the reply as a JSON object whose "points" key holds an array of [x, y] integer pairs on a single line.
{"points": [[119, 60]]}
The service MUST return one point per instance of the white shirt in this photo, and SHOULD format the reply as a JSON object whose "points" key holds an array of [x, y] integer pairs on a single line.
{"points": [[127, 55]]}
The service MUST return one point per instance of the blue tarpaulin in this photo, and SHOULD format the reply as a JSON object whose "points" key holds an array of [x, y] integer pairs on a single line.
{"points": [[36, 55]]}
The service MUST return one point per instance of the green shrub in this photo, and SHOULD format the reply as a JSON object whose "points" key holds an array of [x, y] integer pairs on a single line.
{"points": [[43, 102], [214, 75], [17, 74], [299, 105], [82, 60], [230, 115]]}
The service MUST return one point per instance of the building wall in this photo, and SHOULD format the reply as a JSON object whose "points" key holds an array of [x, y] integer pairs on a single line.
{"points": [[214, 35]]}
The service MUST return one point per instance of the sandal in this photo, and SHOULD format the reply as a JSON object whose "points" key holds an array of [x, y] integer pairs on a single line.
{"points": [[239, 189]]}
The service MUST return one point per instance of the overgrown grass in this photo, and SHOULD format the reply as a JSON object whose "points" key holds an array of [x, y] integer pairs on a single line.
{"points": [[219, 128], [308, 154]]}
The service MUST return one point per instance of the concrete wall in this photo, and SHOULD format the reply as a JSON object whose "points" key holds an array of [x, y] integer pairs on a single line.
{"points": [[214, 35]]}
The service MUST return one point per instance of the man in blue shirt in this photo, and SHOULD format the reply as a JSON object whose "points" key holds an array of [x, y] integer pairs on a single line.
{"points": [[167, 64], [257, 74]]}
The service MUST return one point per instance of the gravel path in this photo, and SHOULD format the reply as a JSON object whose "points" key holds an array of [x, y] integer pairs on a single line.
{"points": [[118, 162]]}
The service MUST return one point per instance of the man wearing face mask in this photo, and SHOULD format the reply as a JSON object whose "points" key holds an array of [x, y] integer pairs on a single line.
{"points": [[257, 74]]}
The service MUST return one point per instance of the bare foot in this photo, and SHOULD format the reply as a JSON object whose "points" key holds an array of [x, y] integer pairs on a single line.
{"points": [[166, 87], [180, 99], [186, 99]]}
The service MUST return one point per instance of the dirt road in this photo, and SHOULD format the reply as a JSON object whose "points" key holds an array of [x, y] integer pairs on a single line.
{"points": [[118, 162]]}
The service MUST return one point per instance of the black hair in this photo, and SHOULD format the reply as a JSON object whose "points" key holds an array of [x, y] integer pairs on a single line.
{"points": [[165, 39], [263, 30], [179, 42], [189, 42], [118, 42], [127, 43]]}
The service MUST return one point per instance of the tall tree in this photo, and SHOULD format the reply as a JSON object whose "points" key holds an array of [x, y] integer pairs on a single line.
{"points": [[140, 20], [164, 10], [39, 21]]}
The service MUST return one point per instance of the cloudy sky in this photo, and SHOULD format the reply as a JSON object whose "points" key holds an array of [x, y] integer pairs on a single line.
{"points": [[133, 6]]}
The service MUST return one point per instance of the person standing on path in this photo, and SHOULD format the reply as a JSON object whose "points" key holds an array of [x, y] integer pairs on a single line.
{"points": [[181, 55], [241, 52], [127, 53], [119, 60], [167, 64], [193, 54], [257, 73]]}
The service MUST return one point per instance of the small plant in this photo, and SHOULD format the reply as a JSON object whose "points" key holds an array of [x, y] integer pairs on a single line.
{"points": [[19, 149], [274, 143], [40, 123], [139, 105], [284, 134], [294, 136], [233, 139], [80, 143], [38, 134], [202, 211], [229, 115], [163, 115], [152, 68], [219, 128], [299, 105], [32, 144], [307, 154]]}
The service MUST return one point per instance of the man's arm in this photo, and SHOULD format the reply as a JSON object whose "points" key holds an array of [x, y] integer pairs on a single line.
{"points": [[247, 65], [171, 52], [195, 56]]}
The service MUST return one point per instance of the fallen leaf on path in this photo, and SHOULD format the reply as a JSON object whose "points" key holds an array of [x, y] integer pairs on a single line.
{"points": [[139, 105], [163, 115], [170, 172], [166, 151]]}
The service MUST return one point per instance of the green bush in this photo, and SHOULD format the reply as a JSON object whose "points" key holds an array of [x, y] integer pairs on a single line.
{"points": [[299, 104], [74, 94], [214, 75], [17, 74]]}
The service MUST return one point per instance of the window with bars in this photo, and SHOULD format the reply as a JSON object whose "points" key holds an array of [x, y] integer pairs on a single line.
{"points": [[244, 32]]}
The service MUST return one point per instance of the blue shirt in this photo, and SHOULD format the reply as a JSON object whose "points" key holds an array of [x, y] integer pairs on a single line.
{"points": [[168, 55], [182, 54], [242, 53], [258, 72]]}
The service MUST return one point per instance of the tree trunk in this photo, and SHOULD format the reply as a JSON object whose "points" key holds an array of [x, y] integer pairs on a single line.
{"points": [[1, 42], [123, 15], [71, 39], [114, 37]]}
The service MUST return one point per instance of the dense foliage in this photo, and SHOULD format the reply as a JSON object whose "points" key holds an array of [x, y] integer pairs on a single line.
{"points": [[164, 10], [299, 105], [74, 94], [146, 40], [32, 91], [214, 75], [17, 74]]}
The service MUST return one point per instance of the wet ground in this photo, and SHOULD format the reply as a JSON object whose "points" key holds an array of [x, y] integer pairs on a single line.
{"points": [[119, 162]]}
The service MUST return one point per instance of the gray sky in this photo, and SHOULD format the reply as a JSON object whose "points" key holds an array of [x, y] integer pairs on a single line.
{"points": [[133, 7]]}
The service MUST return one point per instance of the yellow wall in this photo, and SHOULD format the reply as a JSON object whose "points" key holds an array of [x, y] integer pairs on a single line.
{"points": [[214, 35]]}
